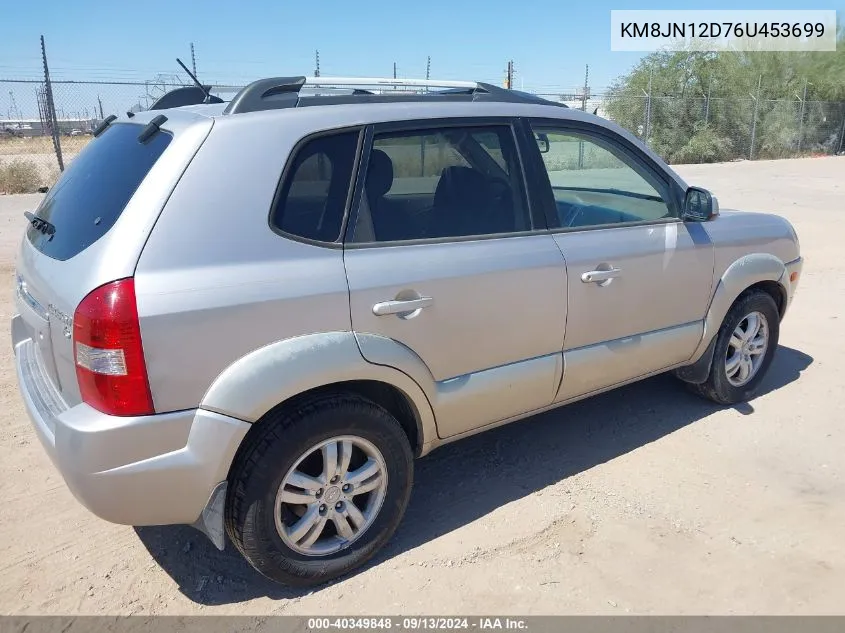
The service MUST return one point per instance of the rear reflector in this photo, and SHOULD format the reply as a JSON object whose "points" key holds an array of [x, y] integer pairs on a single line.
{"points": [[110, 365]]}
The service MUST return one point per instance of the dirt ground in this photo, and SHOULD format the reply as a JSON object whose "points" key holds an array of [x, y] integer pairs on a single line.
{"points": [[645, 500]]}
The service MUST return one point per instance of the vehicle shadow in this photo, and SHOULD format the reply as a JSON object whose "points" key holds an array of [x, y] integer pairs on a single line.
{"points": [[471, 478]]}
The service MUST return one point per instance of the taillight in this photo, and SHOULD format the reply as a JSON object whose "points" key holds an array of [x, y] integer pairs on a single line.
{"points": [[110, 365]]}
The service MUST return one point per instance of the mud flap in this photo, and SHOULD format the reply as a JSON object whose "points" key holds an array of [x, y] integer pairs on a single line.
{"points": [[210, 521]]}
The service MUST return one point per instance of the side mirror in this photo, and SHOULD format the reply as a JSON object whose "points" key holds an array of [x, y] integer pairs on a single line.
{"points": [[543, 143], [700, 205]]}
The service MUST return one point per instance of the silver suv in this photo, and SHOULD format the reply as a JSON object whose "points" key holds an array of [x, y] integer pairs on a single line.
{"points": [[251, 316]]}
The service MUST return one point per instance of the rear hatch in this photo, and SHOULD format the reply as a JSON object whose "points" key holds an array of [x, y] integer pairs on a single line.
{"points": [[91, 227]]}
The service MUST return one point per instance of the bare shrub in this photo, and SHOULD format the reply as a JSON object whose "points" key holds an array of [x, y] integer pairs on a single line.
{"points": [[19, 176]]}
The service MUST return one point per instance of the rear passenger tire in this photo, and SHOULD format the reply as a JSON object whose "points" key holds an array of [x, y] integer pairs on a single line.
{"points": [[319, 488], [745, 346]]}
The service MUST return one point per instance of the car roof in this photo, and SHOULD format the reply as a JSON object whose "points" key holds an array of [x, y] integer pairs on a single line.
{"points": [[317, 118]]}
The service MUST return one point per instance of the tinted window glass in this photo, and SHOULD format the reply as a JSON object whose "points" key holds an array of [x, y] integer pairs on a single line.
{"points": [[91, 194], [594, 183], [313, 197], [442, 183]]}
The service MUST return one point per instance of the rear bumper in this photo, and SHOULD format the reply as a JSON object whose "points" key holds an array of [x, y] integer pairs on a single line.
{"points": [[147, 470]]}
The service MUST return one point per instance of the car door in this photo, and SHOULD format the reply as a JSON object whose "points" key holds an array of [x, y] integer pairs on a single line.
{"points": [[639, 278], [445, 259]]}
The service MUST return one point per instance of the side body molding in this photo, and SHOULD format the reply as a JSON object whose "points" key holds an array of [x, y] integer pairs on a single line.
{"points": [[265, 377], [742, 273]]}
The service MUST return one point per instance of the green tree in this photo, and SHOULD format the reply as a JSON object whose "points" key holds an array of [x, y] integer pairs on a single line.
{"points": [[702, 103]]}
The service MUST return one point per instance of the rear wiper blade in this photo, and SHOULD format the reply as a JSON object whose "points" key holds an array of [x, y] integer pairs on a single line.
{"points": [[40, 224]]}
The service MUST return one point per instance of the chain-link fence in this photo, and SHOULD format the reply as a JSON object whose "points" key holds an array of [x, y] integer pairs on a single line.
{"points": [[35, 145], [703, 130]]}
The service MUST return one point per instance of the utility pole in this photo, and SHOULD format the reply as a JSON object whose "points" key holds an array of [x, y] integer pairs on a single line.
{"points": [[648, 107], [707, 103], [394, 70], [51, 112], [193, 60], [100, 103], [317, 69], [586, 94]]}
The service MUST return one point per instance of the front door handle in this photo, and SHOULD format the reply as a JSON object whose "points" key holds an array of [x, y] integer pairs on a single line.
{"points": [[600, 276], [400, 306]]}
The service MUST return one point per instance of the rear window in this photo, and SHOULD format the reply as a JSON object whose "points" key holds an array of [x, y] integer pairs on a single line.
{"points": [[91, 194]]}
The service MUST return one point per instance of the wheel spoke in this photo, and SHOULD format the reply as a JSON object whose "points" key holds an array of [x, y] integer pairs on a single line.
{"points": [[736, 340], [297, 498], [744, 370], [368, 486], [306, 482], [753, 326], [732, 364], [345, 456], [363, 473], [343, 528], [757, 350], [354, 515], [299, 529], [314, 533], [329, 461]]}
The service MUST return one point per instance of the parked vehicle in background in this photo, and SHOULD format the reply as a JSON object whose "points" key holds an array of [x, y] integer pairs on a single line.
{"points": [[252, 316]]}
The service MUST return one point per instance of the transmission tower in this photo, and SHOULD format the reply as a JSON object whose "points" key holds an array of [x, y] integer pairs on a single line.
{"points": [[14, 113], [317, 70]]}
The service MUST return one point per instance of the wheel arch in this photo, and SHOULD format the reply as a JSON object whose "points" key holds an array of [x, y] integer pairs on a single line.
{"points": [[758, 271], [285, 372]]}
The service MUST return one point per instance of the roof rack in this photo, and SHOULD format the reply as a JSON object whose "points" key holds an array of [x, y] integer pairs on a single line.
{"points": [[284, 92]]}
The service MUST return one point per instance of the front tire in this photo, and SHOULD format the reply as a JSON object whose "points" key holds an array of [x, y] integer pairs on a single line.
{"points": [[745, 346], [318, 489]]}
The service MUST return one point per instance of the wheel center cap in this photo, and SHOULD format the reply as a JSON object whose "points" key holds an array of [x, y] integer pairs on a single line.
{"points": [[332, 494]]}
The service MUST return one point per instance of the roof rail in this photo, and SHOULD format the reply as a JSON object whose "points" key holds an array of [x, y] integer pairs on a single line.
{"points": [[284, 92]]}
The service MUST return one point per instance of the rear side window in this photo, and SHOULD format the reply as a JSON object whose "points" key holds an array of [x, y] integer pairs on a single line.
{"points": [[312, 199], [91, 194]]}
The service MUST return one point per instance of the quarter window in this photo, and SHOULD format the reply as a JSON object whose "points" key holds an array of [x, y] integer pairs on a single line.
{"points": [[442, 183], [313, 196], [594, 183]]}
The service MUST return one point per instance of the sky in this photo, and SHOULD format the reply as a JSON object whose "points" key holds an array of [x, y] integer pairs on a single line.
{"points": [[550, 41]]}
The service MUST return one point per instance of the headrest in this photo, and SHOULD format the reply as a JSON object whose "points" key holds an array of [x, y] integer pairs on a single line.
{"points": [[462, 186], [379, 173]]}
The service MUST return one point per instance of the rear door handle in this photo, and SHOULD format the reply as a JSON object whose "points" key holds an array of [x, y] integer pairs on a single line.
{"points": [[599, 276], [401, 305]]}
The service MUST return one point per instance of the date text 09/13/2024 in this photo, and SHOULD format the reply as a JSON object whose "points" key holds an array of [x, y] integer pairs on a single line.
{"points": [[418, 623]]}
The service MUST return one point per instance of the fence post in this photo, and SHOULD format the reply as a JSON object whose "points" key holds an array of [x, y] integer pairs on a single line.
{"points": [[754, 121], [801, 117], [842, 131], [648, 108], [51, 108]]}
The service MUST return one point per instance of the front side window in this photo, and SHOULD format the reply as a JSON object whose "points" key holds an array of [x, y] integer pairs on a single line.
{"points": [[312, 200], [595, 183], [442, 183]]}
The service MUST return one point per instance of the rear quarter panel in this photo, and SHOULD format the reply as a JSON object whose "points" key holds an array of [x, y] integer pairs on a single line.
{"points": [[214, 282]]}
